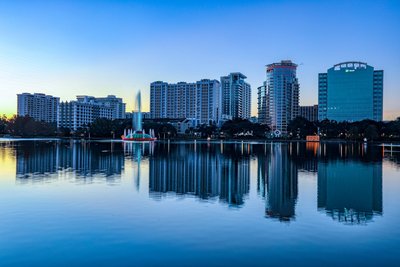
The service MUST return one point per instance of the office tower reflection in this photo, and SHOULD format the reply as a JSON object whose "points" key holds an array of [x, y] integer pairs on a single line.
{"points": [[350, 191], [200, 170], [281, 183], [235, 179], [42, 159], [263, 158]]}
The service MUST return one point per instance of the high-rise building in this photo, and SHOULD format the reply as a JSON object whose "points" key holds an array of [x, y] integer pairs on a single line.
{"points": [[278, 98], [200, 100], [82, 112], [350, 91], [158, 99], [263, 104], [309, 112], [236, 96], [116, 104], [40, 107]]}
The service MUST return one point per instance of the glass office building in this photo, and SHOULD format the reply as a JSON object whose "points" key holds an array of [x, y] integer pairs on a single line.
{"points": [[278, 98], [350, 91]]}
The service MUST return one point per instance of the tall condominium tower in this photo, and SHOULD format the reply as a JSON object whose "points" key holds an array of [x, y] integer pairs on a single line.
{"points": [[309, 112], [40, 107], [236, 96], [350, 91], [263, 104], [278, 98], [200, 100]]}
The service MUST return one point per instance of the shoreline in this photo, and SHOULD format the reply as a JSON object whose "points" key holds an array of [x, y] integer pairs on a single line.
{"points": [[202, 140]]}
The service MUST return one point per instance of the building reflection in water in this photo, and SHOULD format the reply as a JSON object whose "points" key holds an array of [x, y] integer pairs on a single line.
{"points": [[349, 175], [350, 183], [278, 181], [201, 170], [39, 160]]}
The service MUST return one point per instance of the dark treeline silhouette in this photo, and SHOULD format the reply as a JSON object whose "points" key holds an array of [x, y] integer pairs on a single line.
{"points": [[300, 127], [239, 128], [26, 126]]}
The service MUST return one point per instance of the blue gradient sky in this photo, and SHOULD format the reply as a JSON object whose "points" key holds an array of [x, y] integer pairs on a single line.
{"points": [[66, 48]]}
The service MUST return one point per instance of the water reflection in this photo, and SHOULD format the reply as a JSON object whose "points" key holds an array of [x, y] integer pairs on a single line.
{"points": [[278, 175], [201, 170], [40, 160], [350, 183], [349, 176], [350, 191]]}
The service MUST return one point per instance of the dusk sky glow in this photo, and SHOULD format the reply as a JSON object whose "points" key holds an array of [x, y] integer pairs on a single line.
{"points": [[69, 48]]}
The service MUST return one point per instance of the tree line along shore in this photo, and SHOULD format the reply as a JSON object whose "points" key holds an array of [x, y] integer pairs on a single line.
{"points": [[298, 129]]}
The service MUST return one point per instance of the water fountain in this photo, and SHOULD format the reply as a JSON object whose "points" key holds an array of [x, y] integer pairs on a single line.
{"points": [[137, 132]]}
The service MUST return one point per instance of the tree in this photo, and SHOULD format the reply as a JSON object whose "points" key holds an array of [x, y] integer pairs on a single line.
{"points": [[206, 130], [27, 126], [244, 128], [3, 124], [102, 128], [162, 130], [354, 133], [301, 127], [371, 132]]}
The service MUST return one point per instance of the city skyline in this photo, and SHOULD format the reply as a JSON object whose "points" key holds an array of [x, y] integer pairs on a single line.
{"points": [[114, 47]]}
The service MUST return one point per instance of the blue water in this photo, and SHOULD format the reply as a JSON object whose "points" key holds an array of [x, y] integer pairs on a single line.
{"points": [[198, 204]]}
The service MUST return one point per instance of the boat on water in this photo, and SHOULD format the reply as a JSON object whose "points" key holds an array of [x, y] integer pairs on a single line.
{"points": [[137, 133]]}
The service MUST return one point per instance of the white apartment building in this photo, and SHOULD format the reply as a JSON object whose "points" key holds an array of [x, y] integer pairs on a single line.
{"points": [[40, 107], [200, 100], [82, 112]]}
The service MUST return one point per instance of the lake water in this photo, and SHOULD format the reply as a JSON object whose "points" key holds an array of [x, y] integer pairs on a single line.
{"points": [[198, 204]]}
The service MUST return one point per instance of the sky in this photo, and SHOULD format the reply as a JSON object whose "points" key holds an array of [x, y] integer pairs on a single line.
{"points": [[69, 48]]}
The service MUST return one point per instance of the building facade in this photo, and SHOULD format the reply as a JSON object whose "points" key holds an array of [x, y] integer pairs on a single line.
{"points": [[263, 104], [116, 104], [350, 91], [82, 112], [309, 112], [278, 98], [40, 107], [200, 100], [236, 96]]}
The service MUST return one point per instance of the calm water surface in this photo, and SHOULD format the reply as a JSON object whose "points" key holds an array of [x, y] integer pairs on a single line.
{"points": [[198, 204]]}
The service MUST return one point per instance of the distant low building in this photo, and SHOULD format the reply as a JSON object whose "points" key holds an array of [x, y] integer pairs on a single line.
{"points": [[145, 115], [40, 107], [253, 119], [309, 112], [185, 124]]}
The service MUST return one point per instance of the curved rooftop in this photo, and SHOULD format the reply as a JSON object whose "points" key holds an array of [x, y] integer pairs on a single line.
{"points": [[350, 65]]}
